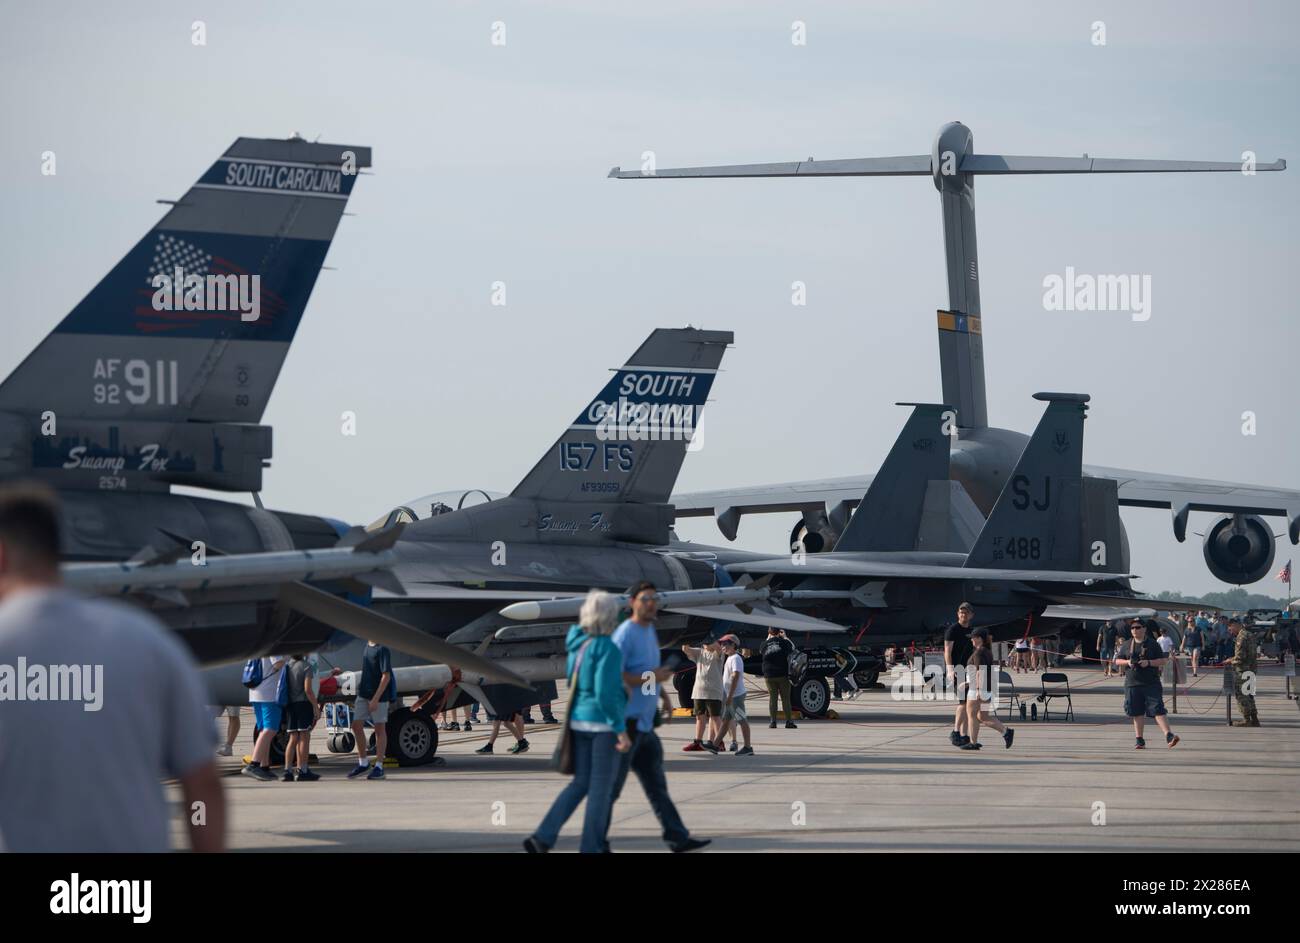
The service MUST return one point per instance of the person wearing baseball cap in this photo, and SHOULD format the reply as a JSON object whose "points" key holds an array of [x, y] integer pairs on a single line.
{"points": [[979, 692], [734, 714], [1142, 660]]}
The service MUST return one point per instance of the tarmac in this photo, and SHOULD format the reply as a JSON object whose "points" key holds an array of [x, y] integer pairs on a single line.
{"points": [[882, 777]]}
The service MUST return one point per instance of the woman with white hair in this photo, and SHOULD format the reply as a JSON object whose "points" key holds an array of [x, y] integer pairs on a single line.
{"points": [[597, 705]]}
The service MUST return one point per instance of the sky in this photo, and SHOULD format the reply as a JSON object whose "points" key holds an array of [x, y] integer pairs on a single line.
{"points": [[490, 165]]}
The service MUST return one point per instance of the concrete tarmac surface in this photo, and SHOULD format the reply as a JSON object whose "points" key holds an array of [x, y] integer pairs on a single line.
{"points": [[883, 777]]}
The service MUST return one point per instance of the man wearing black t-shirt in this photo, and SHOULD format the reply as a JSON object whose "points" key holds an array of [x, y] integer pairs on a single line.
{"points": [[776, 652], [1107, 636], [957, 649], [1142, 658]]}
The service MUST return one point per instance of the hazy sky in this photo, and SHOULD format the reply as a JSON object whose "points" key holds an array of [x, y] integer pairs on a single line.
{"points": [[490, 163]]}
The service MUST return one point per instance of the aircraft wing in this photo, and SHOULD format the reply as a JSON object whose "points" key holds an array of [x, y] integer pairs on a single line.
{"points": [[729, 505], [835, 564], [283, 575], [1146, 490], [1136, 489], [365, 623]]}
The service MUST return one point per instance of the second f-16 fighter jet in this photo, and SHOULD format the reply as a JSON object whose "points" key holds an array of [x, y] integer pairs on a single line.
{"points": [[593, 512]]}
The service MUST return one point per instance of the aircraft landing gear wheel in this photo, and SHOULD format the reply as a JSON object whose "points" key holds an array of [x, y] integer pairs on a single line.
{"points": [[412, 738], [812, 697], [279, 746], [347, 743]]}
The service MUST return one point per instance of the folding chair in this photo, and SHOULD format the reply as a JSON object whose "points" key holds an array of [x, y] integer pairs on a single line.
{"points": [[1005, 686], [1056, 678]]}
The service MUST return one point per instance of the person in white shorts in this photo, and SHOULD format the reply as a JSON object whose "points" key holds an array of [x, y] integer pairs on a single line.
{"points": [[232, 730], [979, 692]]}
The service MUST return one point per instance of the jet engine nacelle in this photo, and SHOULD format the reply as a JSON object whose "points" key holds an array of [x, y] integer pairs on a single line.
{"points": [[813, 533], [1239, 548]]}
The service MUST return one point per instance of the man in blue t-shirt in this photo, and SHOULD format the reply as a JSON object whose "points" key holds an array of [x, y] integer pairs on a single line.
{"points": [[642, 673], [375, 691]]}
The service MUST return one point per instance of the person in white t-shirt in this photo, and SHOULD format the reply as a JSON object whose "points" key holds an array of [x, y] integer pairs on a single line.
{"points": [[268, 713], [1166, 641], [733, 696]]}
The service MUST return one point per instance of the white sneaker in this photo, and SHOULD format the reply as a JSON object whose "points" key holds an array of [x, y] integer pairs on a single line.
{"points": [[223, 751]]}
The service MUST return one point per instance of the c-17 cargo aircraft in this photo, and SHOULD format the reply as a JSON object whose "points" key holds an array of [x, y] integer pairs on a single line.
{"points": [[1238, 547], [160, 377], [593, 512]]}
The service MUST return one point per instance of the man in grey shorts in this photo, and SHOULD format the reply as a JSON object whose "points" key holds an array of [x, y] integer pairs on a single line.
{"points": [[375, 691], [734, 715]]}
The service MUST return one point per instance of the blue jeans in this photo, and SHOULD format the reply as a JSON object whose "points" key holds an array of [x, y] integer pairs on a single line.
{"points": [[595, 761], [646, 759]]}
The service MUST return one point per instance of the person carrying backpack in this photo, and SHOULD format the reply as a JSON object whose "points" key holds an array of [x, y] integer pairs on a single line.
{"points": [[262, 678]]}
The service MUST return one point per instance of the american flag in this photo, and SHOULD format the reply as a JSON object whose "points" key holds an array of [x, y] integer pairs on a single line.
{"points": [[1284, 574]]}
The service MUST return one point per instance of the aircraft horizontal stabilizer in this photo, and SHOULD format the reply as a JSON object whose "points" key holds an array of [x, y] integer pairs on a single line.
{"points": [[915, 165], [1145, 602], [833, 565], [923, 165], [1008, 164]]}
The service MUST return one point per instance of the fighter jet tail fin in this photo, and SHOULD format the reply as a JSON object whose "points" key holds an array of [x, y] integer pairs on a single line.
{"points": [[628, 444], [1046, 512], [892, 513], [196, 319]]}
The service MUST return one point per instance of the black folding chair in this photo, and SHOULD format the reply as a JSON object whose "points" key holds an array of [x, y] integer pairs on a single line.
{"points": [[1007, 689], [1056, 679]]}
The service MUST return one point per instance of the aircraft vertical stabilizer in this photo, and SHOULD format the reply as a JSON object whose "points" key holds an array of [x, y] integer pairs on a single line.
{"points": [[195, 321], [629, 442], [1038, 520], [891, 514]]}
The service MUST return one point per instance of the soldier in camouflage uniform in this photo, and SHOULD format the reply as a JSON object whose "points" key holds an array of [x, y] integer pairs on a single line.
{"points": [[1244, 659]]}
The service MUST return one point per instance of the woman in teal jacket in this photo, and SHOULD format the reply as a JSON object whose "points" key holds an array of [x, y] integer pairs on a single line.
{"points": [[597, 705]]}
